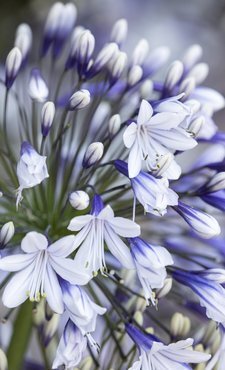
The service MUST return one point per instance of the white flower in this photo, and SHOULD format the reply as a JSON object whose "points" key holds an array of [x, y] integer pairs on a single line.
{"points": [[71, 347], [38, 89], [153, 136], [37, 270], [31, 169], [150, 262], [99, 227]]}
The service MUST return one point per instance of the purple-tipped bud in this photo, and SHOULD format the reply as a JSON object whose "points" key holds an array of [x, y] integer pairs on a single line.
{"points": [[12, 66], [93, 154], [79, 100], [38, 90], [23, 39], [119, 31], [114, 124], [51, 26], [47, 117], [117, 66], [216, 183], [85, 48], [6, 233], [79, 200]]}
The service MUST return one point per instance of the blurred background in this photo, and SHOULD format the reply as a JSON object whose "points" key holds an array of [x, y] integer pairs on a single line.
{"points": [[175, 23]]}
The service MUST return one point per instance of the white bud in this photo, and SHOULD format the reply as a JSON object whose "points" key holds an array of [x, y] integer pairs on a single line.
{"points": [[47, 116], [80, 99], [93, 154], [174, 74], [217, 182], [192, 56], [6, 233], [79, 199], [162, 292], [38, 90], [50, 328], [186, 87], [3, 360], [53, 18], [119, 31], [140, 52], [105, 54], [146, 89], [12, 66], [23, 39], [134, 75], [117, 65], [199, 72], [114, 124], [86, 45], [196, 125], [186, 326], [176, 324], [194, 105]]}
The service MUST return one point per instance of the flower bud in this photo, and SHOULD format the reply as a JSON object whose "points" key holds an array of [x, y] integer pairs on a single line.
{"points": [[3, 360], [134, 75], [50, 328], [216, 183], [38, 90], [199, 72], [146, 89], [186, 87], [117, 66], [47, 116], [6, 233], [85, 48], [140, 52], [162, 292], [23, 39], [12, 66], [176, 324], [163, 163], [79, 200], [51, 25], [79, 100], [192, 56], [196, 125], [114, 124], [119, 31], [105, 54], [174, 74], [93, 154]]}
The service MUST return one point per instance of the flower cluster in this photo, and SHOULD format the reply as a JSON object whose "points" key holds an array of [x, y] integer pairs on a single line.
{"points": [[112, 192]]}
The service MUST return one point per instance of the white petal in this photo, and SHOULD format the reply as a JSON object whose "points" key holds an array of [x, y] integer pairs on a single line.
{"points": [[134, 160], [106, 213], [124, 227], [63, 247], [16, 262], [209, 97], [33, 242], [16, 290], [166, 120], [129, 135], [118, 248], [79, 222], [176, 139], [68, 270], [145, 112], [53, 291]]}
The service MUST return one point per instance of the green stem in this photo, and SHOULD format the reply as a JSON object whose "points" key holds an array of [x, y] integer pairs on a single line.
{"points": [[20, 338]]}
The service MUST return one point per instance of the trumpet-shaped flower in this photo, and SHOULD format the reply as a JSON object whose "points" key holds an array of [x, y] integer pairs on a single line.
{"points": [[155, 355], [99, 227], [37, 271]]}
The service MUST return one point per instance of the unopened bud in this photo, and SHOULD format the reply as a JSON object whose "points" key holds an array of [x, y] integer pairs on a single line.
{"points": [[3, 360], [105, 54], [79, 100], [12, 66], [140, 52], [134, 75], [93, 154], [117, 65], [114, 124], [186, 326], [85, 48], [174, 74], [186, 87], [162, 292], [6, 233], [38, 90], [192, 56], [196, 125], [50, 328], [79, 200], [138, 316], [199, 72], [23, 39], [47, 116], [179, 325], [216, 183], [146, 89], [119, 31]]}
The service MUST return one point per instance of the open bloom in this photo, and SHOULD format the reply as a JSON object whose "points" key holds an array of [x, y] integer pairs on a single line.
{"points": [[71, 347], [99, 227], [37, 270], [154, 135], [31, 168], [155, 355], [154, 194], [150, 262]]}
